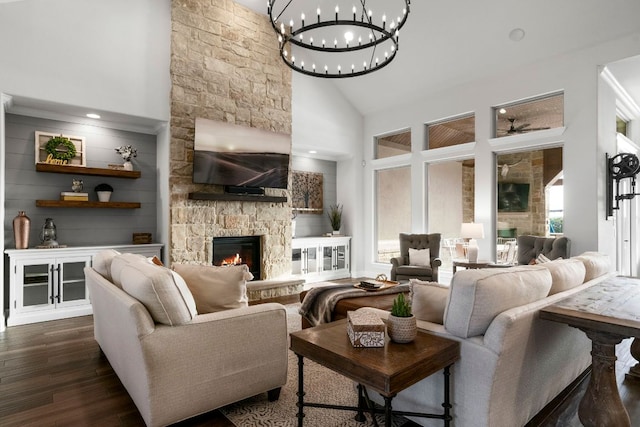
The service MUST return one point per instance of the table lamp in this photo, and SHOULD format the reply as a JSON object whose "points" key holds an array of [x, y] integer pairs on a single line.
{"points": [[470, 231]]}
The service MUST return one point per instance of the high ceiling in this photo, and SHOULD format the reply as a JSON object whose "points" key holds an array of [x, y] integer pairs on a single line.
{"points": [[446, 43]]}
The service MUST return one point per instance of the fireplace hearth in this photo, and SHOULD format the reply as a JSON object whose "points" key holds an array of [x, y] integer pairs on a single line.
{"points": [[239, 250]]}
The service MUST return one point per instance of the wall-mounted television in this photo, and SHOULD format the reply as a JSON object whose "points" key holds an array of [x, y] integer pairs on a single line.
{"points": [[239, 156], [513, 197]]}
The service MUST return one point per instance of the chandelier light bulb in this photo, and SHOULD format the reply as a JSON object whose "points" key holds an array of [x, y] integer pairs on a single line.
{"points": [[285, 53], [323, 42], [302, 19], [354, 13], [302, 65], [318, 10], [311, 41], [335, 42], [348, 36], [291, 23], [293, 59]]}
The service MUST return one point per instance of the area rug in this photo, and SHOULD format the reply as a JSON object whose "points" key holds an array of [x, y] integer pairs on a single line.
{"points": [[321, 385]]}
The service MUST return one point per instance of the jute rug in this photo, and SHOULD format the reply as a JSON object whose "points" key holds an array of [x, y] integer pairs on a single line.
{"points": [[321, 385]]}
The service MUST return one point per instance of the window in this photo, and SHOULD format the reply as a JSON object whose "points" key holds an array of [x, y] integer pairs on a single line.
{"points": [[446, 133], [451, 202], [393, 145], [528, 116], [621, 125], [393, 210]]}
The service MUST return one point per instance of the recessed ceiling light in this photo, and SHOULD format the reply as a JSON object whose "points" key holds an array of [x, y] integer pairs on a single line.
{"points": [[93, 115], [516, 34], [502, 111], [312, 151]]}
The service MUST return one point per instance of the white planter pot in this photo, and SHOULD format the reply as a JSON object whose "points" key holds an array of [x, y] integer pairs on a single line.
{"points": [[104, 196]]}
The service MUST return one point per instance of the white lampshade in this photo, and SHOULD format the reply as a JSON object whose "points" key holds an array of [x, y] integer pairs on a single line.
{"points": [[471, 230]]}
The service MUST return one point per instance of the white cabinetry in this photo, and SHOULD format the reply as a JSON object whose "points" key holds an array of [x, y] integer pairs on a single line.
{"points": [[320, 258], [49, 284]]}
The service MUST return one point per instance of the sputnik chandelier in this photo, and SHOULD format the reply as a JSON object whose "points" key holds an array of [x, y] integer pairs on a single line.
{"points": [[346, 39]]}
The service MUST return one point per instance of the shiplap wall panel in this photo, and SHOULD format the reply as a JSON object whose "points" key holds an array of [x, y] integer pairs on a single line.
{"points": [[79, 227]]}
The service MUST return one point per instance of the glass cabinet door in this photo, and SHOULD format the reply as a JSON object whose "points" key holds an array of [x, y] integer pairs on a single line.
{"points": [[312, 260], [327, 258], [341, 259], [296, 261], [71, 283], [36, 288]]}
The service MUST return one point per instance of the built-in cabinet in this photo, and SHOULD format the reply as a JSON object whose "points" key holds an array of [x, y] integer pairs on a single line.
{"points": [[49, 284], [321, 258]]}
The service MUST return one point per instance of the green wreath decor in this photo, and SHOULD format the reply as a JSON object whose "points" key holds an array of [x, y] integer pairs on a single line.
{"points": [[60, 141]]}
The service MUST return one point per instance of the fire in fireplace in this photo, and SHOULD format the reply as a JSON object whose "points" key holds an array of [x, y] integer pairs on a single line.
{"points": [[238, 250]]}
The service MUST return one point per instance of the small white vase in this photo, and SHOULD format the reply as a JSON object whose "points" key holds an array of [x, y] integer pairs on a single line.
{"points": [[336, 232], [128, 166], [104, 196]]}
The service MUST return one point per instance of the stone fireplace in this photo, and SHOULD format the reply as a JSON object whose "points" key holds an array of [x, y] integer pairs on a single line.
{"points": [[225, 66], [238, 250]]}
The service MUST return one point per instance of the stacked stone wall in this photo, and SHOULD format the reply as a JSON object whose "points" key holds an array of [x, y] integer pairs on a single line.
{"points": [[225, 66]]}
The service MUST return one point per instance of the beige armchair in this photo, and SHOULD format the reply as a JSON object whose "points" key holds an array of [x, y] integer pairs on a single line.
{"points": [[402, 267], [194, 364]]}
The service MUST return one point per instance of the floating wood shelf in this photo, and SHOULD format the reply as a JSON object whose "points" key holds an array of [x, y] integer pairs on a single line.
{"points": [[228, 197], [81, 170], [77, 204]]}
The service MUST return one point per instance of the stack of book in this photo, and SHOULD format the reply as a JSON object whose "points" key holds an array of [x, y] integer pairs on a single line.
{"points": [[72, 196]]}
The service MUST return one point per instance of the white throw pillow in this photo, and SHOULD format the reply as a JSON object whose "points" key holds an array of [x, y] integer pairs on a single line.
{"points": [[216, 288], [421, 257], [162, 292], [428, 300]]}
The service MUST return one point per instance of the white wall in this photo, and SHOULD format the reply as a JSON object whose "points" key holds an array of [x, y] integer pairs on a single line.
{"points": [[577, 75], [323, 120], [109, 55]]}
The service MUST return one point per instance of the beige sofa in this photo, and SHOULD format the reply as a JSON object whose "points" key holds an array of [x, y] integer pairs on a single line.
{"points": [[174, 362], [512, 362]]}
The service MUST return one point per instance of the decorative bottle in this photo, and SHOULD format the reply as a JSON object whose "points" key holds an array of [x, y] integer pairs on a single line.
{"points": [[21, 227]]}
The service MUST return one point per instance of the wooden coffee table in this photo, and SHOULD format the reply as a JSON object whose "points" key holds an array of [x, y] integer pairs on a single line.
{"points": [[607, 312], [386, 370]]}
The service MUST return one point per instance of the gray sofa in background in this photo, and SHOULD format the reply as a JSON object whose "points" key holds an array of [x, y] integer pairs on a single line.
{"points": [[530, 247]]}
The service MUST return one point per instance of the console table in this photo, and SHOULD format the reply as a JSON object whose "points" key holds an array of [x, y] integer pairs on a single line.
{"points": [[607, 312], [387, 370], [467, 264]]}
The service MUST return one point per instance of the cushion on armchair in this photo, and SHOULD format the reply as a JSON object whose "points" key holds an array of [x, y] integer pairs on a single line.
{"points": [[164, 294], [216, 288], [421, 257]]}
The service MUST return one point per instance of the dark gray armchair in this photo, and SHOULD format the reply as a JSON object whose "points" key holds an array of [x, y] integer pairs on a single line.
{"points": [[400, 268], [529, 247]]}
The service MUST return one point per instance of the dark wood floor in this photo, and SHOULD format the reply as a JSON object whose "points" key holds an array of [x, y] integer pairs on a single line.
{"points": [[53, 374]]}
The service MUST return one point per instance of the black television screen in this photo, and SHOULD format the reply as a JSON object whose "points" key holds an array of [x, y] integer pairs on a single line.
{"points": [[233, 155], [513, 197]]}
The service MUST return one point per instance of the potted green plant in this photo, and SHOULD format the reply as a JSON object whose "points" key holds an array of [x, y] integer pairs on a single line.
{"points": [[335, 217], [104, 192], [401, 324]]}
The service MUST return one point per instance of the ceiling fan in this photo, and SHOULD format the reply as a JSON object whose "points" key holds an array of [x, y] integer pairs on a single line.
{"points": [[524, 128]]}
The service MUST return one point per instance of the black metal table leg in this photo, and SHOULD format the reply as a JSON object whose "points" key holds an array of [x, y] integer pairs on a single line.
{"points": [[387, 411], [361, 402], [300, 390], [447, 398]]}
